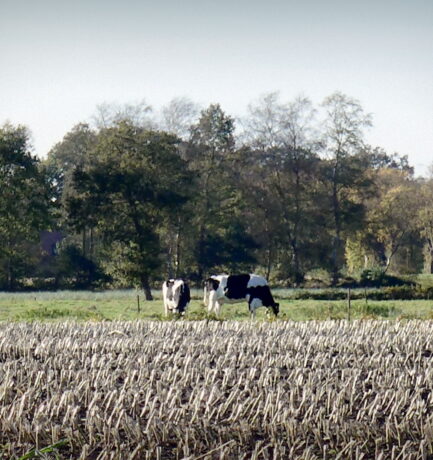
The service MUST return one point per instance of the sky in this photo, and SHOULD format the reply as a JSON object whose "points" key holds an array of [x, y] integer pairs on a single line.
{"points": [[61, 59]]}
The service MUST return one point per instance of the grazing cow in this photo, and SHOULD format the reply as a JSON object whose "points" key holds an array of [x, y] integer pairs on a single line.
{"points": [[176, 296], [236, 288]]}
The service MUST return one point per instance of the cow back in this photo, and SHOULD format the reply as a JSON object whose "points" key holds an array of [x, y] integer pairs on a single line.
{"points": [[236, 287]]}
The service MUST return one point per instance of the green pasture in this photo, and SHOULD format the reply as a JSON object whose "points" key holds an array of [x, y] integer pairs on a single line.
{"points": [[123, 305]]}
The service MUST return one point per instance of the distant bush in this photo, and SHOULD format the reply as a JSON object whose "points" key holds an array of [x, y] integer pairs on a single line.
{"points": [[405, 292], [376, 277], [328, 294], [395, 293]]}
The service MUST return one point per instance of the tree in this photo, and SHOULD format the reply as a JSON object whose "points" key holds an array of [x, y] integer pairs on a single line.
{"points": [[344, 169], [263, 127], [63, 159], [284, 166], [135, 179], [425, 222], [111, 114], [24, 203], [392, 217], [210, 154], [178, 116], [70, 153]]}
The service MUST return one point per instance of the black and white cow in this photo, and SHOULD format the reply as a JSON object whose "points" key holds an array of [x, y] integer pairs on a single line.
{"points": [[236, 288], [176, 295]]}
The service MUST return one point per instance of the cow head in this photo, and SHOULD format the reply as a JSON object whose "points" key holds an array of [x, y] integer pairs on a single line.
{"points": [[170, 284], [211, 284], [276, 308]]}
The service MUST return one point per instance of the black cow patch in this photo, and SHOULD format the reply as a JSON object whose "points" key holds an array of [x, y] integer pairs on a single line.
{"points": [[184, 298], [263, 293], [237, 286]]}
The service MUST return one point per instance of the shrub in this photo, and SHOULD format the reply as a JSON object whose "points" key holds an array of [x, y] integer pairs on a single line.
{"points": [[375, 277]]}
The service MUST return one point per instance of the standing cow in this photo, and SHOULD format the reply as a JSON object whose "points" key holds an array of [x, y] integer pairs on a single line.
{"points": [[176, 295], [236, 288]]}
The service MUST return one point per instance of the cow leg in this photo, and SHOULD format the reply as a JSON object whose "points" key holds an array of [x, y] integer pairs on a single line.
{"points": [[212, 300], [252, 311], [217, 308], [166, 308], [205, 296], [253, 305]]}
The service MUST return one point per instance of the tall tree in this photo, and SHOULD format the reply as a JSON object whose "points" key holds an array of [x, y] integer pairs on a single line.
{"points": [[425, 222], [110, 114], [393, 216], [344, 169], [68, 154], [178, 116], [210, 153], [72, 152], [136, 177], [284, 166], [264, 124], [24, 203]]}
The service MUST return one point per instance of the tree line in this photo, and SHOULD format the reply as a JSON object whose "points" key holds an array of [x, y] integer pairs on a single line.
{"points": [[290, 191]]}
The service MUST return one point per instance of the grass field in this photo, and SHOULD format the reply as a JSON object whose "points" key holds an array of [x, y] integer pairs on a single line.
{"points": [[123, 305]]}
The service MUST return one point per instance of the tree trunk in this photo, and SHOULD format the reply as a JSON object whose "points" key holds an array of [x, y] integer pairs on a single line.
{"points": [[200, 255], [10, 276], [298, 275], [146, 287], [177, 254], [83, 237], [336, 244], [170, 259], [91, 245], [268, 262], [428, 257]]}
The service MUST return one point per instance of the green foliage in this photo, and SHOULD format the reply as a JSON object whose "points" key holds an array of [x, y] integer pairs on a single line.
{"points": [[134, 205], [53, 449], [24, 205], [399, 292], [234, 251], [215, 204], [375, 277], [136, 179], [74, 266], [354, 254], [325, 294]]}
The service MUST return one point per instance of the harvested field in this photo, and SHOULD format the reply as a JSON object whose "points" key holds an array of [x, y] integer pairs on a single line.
{"points": [[218, 390]]}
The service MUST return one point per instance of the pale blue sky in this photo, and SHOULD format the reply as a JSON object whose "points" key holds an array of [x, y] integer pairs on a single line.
{"points": [[59, 59]]}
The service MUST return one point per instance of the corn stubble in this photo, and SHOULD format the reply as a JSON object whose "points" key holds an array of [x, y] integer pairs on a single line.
{"points": [[216, 390]]}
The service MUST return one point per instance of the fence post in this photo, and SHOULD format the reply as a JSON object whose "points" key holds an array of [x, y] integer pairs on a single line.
{"points": [[138, 303], [348, 304]]}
